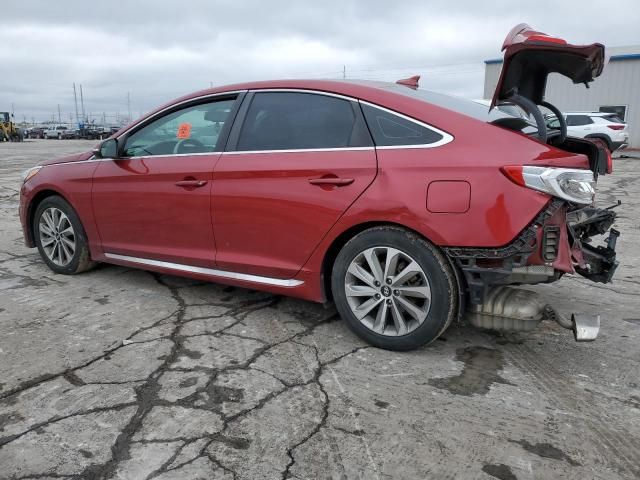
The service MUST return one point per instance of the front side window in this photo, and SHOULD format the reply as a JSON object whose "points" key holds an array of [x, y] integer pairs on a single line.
{"points": [[294, 121], [194, 129], [389, 129]]}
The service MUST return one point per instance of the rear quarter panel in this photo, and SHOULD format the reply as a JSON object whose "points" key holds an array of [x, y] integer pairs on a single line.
{"points": [[498, 208]]}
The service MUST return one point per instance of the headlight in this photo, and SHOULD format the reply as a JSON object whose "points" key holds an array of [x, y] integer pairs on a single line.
{"points": [[27, 174]]}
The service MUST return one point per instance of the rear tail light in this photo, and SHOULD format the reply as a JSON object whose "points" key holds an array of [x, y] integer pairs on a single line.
{"points": [[616, 127], [546, 38], [570, 184]]}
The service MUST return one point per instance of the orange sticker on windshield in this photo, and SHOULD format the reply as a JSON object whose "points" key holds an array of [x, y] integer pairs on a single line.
{"points": [[184, 130]]}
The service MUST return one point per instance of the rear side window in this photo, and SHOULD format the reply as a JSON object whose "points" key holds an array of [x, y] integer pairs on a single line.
{"points": [[389, 129], [578, 120], [297, 121], [613, 118]]}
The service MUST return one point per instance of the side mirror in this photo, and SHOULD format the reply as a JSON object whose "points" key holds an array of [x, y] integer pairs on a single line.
{"points": [[107, 149]]}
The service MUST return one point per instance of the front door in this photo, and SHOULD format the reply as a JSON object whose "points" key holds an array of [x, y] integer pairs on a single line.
{"points": [[154, 200], [296, 162]]}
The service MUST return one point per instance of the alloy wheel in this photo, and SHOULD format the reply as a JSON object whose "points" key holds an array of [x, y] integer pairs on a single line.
{"points": [[387, 291], [57, 236]]}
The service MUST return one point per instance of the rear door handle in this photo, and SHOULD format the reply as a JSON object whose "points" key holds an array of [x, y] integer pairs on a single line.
{"points": [[191, 183], [331, 181]]}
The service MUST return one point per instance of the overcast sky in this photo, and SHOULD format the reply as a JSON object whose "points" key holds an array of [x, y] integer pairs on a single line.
{"points": [[160, 49]]}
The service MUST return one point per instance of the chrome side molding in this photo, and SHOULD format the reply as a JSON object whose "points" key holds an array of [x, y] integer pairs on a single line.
{"points": [[207, 271]]}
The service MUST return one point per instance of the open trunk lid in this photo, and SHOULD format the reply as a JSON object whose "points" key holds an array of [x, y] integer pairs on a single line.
{"points": [[530, 57]]}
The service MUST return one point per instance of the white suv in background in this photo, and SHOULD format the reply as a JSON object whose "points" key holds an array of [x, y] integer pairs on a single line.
{"points": [[603, 125]]}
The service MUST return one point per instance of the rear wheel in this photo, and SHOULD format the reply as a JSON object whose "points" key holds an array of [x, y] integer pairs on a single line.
{"points": [[60, 238], [393, 288], [605, 138]]}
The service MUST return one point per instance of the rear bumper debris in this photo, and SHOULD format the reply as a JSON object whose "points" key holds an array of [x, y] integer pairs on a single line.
{"points": [[558, 241]]}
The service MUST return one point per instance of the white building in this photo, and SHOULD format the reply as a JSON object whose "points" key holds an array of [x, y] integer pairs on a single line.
{"points": [[616, 90]]}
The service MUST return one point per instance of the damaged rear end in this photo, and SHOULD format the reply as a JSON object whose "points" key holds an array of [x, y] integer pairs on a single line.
{"points": [[571, 235]]}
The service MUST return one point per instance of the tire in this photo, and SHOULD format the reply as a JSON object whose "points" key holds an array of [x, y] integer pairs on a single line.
{"points": [[69, 254], [431, 290]]}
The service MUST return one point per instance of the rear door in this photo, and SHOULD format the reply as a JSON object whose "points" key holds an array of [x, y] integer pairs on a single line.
{"points": [[153, 202], [296, 160]]}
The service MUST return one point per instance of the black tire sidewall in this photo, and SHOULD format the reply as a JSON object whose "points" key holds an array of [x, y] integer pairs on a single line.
{"points": [[80, 236], [433, 264]]}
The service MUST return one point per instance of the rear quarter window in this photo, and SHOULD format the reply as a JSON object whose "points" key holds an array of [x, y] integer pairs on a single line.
{"points": [[389, 129]]}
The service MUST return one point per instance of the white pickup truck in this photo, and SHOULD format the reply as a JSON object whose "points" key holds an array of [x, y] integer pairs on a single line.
{"points": [[55, 131]]}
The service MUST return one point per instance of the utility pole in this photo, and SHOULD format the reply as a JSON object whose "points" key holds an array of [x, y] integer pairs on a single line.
{"points": [[82, 105], [75, 99], [59, 116], [344, 72]]}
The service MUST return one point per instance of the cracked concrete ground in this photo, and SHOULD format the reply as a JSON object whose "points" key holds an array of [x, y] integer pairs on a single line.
{"points": [[125, 374]]}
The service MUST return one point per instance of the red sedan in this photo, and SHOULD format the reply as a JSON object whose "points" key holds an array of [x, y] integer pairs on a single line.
{"points": [[404, 207]]}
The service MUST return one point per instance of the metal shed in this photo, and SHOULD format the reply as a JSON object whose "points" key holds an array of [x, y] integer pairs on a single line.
{"points": [[617, 89]]}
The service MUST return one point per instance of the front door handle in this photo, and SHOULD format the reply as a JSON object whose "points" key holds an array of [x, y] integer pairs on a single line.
{"points": [[191, 183], [340, 182]]}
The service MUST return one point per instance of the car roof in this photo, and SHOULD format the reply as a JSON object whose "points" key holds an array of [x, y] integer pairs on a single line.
{"points": [[591, 114], [386, 94]]}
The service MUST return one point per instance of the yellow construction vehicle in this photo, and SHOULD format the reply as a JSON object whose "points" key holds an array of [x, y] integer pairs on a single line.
{"points": [[8, 130]]}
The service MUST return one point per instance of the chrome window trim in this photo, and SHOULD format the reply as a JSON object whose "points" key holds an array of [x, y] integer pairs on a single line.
{"points": [[246, 277], [200, 154], [446, 137], [304, 90], [299, 150], [170, 107], [88, 160]]}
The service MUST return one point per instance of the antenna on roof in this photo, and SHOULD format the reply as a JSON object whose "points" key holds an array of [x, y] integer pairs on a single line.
{"points": [[411, 82]]}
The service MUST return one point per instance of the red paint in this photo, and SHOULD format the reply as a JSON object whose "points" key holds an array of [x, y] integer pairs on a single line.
{"points": [[141, 212], [268, 216], [530, 56], [259, 213]]}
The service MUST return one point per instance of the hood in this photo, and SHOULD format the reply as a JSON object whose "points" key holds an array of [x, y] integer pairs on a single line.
{"points": [[530, 56], [76, 157]]}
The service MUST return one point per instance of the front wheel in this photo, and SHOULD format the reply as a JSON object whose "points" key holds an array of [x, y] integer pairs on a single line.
{"points": [[60, 238], [394, 289]]}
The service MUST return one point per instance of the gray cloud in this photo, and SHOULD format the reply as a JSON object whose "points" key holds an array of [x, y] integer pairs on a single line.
{"points": [[159, 49]]}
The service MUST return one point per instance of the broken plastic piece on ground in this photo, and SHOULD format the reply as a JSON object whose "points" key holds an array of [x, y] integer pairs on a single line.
{"points": [[585, 327]]}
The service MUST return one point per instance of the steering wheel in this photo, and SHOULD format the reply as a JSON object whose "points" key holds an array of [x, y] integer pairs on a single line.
{"points": [[189, 142], [561, 120]]}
